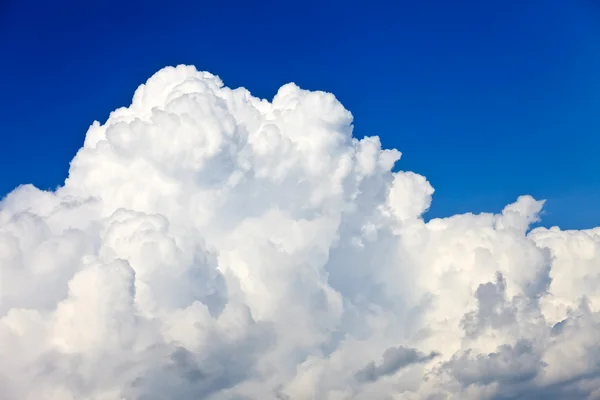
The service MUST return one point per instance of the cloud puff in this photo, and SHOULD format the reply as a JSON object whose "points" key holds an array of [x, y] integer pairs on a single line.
{"points": [[210, 244]]}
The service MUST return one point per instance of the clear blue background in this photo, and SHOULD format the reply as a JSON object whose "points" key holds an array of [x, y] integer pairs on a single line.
{"points": [[488, 99]]}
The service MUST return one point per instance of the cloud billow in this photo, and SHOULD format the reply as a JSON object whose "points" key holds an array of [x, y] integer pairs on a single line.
{"points": [[210, 244]]}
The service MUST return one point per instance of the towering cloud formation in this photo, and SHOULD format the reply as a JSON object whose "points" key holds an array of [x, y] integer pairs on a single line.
{"points": [[211, 245]]}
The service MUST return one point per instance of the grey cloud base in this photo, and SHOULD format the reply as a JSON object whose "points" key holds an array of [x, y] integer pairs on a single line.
{"points": [[209, 244]]}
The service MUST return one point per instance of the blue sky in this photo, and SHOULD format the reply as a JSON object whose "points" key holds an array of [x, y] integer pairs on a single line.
{"points": [[488, 101]]}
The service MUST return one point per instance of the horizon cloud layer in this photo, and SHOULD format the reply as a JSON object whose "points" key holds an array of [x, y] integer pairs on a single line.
{"points": [[208, 244]]}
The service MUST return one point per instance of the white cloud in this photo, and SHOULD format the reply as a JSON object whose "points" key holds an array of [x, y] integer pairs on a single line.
{"points": [[209, 244]]}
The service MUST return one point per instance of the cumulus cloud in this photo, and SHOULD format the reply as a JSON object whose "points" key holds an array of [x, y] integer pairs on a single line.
{"points": [[210, 244]]}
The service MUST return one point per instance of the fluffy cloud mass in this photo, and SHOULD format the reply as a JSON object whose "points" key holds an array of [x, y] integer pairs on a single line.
{"points": [[208, 244]]}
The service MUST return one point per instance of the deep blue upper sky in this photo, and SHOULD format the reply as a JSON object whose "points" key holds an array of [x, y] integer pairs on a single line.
{"points": [[488, 99]]}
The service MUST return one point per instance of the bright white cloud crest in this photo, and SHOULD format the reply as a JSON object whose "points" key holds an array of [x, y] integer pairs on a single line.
{"points": [[211, 245]]}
